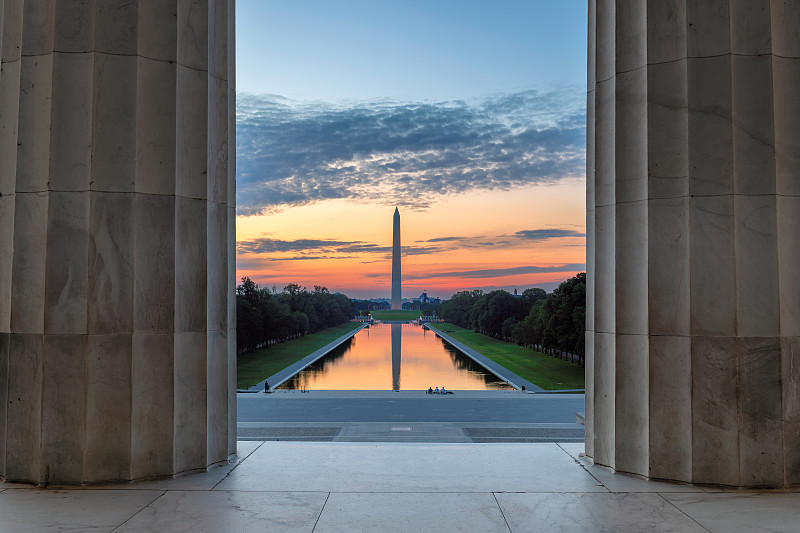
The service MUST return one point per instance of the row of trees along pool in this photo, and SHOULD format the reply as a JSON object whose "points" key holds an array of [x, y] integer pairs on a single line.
{"points": [[266, 316], [552, 323]]}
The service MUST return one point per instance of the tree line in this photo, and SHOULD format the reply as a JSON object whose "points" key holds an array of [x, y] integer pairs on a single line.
{"points": [[264, 317], [552, 323]]}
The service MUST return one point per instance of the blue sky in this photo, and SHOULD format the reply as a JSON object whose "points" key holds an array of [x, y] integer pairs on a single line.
{"points": [[469, 116], [414, 50]]}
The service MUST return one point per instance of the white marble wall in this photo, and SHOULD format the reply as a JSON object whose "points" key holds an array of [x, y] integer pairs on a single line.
{"points": [[693, 215], [117, 214]]}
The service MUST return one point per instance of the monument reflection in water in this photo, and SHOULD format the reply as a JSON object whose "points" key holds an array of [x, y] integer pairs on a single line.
{"points": [[395, 357]]}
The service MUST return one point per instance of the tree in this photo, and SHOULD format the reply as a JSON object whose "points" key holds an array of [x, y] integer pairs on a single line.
{"points": [[509, 327], [556, 322], [265, 317], [249, 325], [457, 309], [300, 323], [532, 296], [492, 309], [249, 291]]}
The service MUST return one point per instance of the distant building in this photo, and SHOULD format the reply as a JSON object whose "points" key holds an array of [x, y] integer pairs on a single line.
{"points": [[379, 303], [424, 299]]}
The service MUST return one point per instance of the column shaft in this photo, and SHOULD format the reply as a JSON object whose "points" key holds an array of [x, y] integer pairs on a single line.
{"points": [[117, 235], [693, 230]]}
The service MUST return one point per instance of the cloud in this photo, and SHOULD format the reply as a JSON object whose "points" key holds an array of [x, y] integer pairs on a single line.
{"points": [[268, 245], [420, 250], [307, 249], [522, 237], [365, 248], [538, 235], [321, 248], [548, 286], [403, 153], [445, 239], [307, 258], [501, 272]]}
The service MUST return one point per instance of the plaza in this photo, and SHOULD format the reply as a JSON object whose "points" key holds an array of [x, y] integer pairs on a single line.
{"points": [[323, 486]]}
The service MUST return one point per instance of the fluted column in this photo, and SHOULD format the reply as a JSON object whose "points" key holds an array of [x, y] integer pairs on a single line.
{"points": [[693, 216], [117, 212]]}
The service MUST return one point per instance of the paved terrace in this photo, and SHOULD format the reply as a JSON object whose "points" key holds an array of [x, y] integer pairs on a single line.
{"points": [[387, 487], [410, 416]]}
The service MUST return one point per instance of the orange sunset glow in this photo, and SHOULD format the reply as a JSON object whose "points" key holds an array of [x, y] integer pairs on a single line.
{"points": [[465, 241], [400, 356], [471, 121]]}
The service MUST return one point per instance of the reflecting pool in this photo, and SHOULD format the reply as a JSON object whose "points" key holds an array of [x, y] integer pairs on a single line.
{"points": [[395, 357]]}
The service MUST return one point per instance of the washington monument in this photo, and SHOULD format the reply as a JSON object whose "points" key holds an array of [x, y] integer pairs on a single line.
{"points": [[397, 294]]}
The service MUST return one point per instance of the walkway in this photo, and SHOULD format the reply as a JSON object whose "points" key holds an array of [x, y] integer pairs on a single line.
{"points": [[409, 406], [411, 432], [388, 487], [410, 416]]}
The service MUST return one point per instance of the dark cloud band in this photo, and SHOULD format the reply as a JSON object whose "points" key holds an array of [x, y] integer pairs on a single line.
{"points": [[323, 248], [320, 248], [405, 154], [538, 235], [501, 272]]}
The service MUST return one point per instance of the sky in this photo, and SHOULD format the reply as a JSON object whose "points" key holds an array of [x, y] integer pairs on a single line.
{"points": [[467, 116]]}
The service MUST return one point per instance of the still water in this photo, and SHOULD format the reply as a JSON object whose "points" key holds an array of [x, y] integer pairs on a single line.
{"points": [[395, 357]]}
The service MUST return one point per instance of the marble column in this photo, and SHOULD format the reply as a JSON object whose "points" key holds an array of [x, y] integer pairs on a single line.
{"points": [[117, 211], [693, 214]]}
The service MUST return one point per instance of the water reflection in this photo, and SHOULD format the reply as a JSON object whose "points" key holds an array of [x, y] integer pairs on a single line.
{"points": [[320, 366], [395, 357], [397, 346], [462, 362]]}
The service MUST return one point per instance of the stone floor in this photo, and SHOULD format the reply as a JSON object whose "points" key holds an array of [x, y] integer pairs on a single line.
{"points": [[411, 432], [344, 486]]}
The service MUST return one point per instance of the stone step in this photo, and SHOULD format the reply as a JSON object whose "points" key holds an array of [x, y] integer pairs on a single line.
{"points": [[411, 432]]}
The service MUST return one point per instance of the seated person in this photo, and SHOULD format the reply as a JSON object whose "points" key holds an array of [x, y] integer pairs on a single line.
{"points": [[430, 390], [436, 391], [443, 391]]}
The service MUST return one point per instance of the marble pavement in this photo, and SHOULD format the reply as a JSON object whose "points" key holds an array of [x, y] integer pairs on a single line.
{"points": [[291, 486]]}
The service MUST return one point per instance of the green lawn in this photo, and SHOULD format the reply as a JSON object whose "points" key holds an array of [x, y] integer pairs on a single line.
{"points": [[261, 364], [542, 370], [396, 315]]}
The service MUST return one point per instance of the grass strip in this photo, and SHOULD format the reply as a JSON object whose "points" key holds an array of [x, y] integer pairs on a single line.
{"points": [[396, 315], [261, 364], [548, 372]]}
